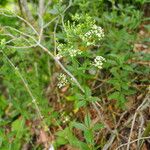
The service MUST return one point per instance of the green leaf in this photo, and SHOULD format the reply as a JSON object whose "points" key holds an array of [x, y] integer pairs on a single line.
{"points": [[61, 141], [114, 95], [127, 67], [115, 72], [70, 98], [68, 137], [87, 92], [129, 92], [94, 99], [88, 134], [119, 97], [79, 126], [87, 120], [98, 126], [17, 125], [121, 101], [115, 83], [79, 104], [79, 96]]}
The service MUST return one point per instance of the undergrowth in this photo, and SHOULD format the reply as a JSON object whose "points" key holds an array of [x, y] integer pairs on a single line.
{"points": [[58, 71]]}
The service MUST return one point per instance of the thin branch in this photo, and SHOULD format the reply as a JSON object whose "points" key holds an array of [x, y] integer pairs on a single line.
{"points": [[7, 42], [141, 119], [41, 22], [29, 24], [55, 46], [143, 104], [63, 68], [20, 7], [69, 5], [15, 15], [101, 117], [110, 141], [46, 25], [142, 138], [131, 130], [47, 5], [34, 100], [8, 34], [23, 47], [16, 38], [26, 10], [47, 51], [59, 15], [114, 132], [20, 32], [63, 24], [41, 7]]}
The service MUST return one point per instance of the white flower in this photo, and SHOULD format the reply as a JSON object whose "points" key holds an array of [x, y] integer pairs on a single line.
{"points": [[58, 56], [95, 34], [66, 119], [63, 50], [97, 31], [60, 48], [51, 147], [74, 52], [62, 78], [98, 61]]}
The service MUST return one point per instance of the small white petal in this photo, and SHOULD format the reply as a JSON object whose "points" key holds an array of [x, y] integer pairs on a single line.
{"points": [[51, 147]]}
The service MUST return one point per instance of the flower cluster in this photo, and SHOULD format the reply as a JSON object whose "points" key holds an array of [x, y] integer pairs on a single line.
{"points": [[70, 50], [62, 80], [60, 48], [92, 36], [74, 52], [98, 61], [80, 35]]}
